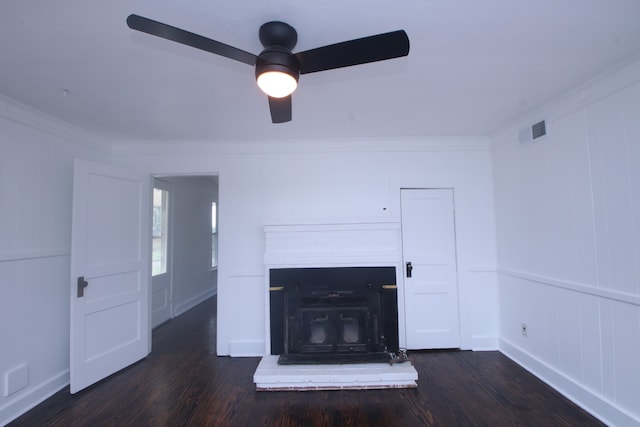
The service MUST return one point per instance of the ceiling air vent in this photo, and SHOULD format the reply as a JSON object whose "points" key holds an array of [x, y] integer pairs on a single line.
{"points": [[528, 135], [539, 129]]}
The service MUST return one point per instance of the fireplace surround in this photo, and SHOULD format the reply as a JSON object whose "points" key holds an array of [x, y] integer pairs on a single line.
{"points": [[333, 245], [333, 314]]}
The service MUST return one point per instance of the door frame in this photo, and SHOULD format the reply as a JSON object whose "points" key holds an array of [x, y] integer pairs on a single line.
{"points": [[158, 182]]}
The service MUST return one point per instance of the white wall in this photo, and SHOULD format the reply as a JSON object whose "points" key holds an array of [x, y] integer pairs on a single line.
{"points": [[568, 233], [305, 182], [36, 177], [193, 280]]}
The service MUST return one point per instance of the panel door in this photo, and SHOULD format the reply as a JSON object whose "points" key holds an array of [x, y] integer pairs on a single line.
{"points": [[111, 240], [429, 257]]}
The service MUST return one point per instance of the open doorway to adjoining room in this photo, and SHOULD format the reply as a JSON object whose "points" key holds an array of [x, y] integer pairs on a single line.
{"points": [[184, 244]]}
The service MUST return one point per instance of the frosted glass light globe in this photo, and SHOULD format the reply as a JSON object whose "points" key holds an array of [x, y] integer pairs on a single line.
{"points": [[277, 84]]}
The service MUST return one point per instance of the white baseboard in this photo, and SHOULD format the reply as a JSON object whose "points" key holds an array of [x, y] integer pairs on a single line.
{"points": [[31, 397], [596, 405], [484, 343], [246, 348], [187, 305]]}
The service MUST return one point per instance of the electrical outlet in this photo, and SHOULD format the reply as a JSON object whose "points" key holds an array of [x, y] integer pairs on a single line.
{"points": [[523, 329]]}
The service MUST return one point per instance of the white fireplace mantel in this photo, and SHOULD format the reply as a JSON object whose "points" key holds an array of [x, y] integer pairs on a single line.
{"points": [[332, 245]]}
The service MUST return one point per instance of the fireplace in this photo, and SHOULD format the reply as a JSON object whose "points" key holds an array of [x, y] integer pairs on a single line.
{"points": [[333, 315], [342, 277]]}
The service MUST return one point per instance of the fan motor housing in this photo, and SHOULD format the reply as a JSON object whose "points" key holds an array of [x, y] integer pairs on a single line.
{"points": [[278, 58]]}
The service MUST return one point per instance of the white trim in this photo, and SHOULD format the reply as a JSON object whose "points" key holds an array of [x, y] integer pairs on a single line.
{"points": [[302, 145], [13, 110], [595, 404], [619, 77], [572, 286], [30, 398], [481, 268], [187, 305], [484, 343], [30, 255], [246, 348]]}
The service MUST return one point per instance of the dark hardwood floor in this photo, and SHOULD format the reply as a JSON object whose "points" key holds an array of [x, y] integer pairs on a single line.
{"points": [[183, 383]]}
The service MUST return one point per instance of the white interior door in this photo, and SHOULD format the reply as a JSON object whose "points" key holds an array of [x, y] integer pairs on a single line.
{"points": [[430, 282], [111, 240]]}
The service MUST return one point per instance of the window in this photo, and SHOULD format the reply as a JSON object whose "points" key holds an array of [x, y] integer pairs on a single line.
{"points": [[214, 235], [160, 236]]}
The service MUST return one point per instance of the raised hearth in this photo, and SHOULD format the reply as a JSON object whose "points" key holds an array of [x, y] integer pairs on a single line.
{"points": [[271, 376]]}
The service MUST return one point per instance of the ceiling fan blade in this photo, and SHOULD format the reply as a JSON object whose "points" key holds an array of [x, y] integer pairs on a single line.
{"points": [[280, 109], [155, 28], [354, 52]]}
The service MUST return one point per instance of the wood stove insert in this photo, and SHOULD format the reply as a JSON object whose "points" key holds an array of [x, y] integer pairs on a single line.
{"points": [[333, 315]]}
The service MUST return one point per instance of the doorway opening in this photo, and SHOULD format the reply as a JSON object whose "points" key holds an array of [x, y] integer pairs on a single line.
{"points": [[184, 244]]}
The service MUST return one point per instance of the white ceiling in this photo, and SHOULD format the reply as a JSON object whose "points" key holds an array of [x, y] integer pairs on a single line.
{"points": [[474, 65]]}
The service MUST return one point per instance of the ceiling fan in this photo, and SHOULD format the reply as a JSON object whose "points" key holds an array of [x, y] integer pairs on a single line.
{"points": [[277, 68]]}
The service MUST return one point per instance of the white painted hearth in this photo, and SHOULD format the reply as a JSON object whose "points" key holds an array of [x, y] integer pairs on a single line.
{"points": [[333, 245], [362, 376]]}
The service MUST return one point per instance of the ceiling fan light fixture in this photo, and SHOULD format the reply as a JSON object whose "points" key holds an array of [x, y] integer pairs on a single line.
{"points": [[277, 71], [277, 84]]}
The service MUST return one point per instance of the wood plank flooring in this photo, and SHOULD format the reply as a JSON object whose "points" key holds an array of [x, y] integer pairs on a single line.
{"points": [[183, 383]]}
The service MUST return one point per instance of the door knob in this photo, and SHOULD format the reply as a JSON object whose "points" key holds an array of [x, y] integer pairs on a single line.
{"points": [[81, 285], [409, 269]]}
